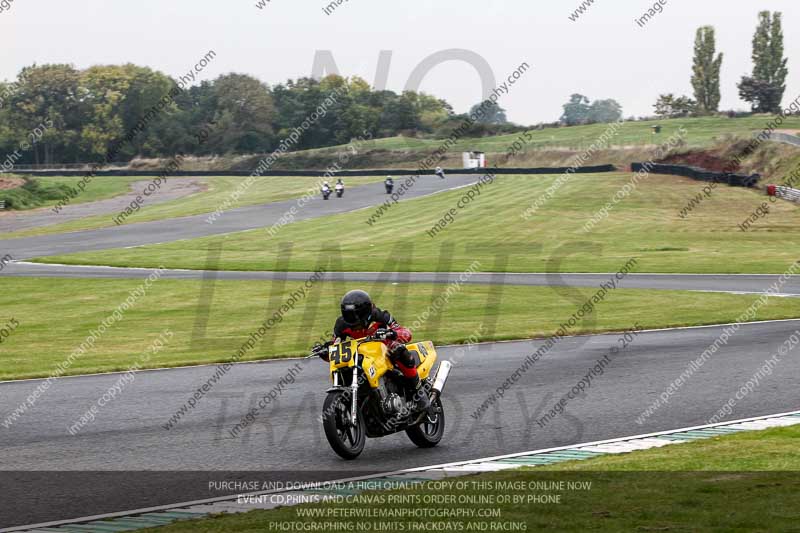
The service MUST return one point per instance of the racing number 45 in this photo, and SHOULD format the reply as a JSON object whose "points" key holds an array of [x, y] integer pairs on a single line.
{"points": [[342, 354]]}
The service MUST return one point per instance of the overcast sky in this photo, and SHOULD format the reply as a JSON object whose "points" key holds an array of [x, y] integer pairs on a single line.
{"points": [[605, 54]]}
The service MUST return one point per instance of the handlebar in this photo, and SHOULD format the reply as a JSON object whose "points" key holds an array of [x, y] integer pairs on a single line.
{"points": [[319, 350]]}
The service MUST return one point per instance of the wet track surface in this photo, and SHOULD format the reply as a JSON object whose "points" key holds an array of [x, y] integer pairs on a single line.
{"points": [[49, 474], [239, 219], [174, 189], [732, 283], [287, 442]]}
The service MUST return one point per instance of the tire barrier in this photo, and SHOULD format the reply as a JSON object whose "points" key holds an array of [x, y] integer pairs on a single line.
{"points": [[321, 173], [734, 180], [787, 193]]}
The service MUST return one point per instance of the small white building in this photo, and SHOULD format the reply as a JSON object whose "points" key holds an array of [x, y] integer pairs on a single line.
{"points": [[474, 160]]}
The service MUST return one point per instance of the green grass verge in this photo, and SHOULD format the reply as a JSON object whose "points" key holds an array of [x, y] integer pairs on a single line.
{"points": [[47, 191], [745, 482], [55, 316], [646, 225], [701, 132], [263, 190]]}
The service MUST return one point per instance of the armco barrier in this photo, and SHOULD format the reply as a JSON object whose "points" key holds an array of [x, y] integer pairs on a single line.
{"points": [[735, 180], [319, 173], [787, 193], [785, 138]]}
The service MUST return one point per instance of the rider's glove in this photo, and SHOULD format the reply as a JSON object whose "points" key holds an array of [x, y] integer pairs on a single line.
{"points": [[321, 350], [388, 334]]}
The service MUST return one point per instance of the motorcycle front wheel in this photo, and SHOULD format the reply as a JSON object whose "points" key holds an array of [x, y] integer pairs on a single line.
{"points": [[346, 439], [427, 433]]}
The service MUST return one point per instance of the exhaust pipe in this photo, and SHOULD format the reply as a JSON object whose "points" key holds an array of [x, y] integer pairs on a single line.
{"points": [[441, 377]]}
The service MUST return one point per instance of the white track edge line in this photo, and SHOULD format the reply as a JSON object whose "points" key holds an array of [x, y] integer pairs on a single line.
{"points": [[634, 274]]}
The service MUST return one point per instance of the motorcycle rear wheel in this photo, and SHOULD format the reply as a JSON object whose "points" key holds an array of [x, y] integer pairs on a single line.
{"points": [[428, 434], [346, 440]]}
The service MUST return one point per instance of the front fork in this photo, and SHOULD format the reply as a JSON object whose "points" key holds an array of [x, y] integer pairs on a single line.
{"points": [[354, 393]]}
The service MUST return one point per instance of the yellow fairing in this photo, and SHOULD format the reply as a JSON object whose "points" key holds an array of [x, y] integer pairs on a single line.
{"points": [[374, 359], [341, 355], [376, 362], [372, 355], [427, 357]]}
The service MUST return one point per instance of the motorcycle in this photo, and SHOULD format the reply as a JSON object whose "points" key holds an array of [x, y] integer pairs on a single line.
{"points": [[389, 186], [326, 193], [368, 398], [339, 191]]}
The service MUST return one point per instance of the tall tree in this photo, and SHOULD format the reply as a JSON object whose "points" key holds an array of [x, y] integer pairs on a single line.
{"points": [[492, 113], [706, 70], [244, 117], [765, 88], [576, 111], [145, 88], [668, 105], [46, 93], [604, 111], [103, 92]]}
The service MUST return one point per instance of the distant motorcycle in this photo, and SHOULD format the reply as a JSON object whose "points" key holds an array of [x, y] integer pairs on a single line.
{"points": [[339, 190], [440, 172], [389, 183], [326, 193]]}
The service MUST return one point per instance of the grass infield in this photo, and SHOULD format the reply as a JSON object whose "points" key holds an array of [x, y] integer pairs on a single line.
{"points": [[702, 131], [54, 317], [493, 229], [744, 482]]}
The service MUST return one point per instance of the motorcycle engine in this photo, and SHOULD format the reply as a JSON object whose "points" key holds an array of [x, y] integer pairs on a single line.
{"points": [[392, 404]]}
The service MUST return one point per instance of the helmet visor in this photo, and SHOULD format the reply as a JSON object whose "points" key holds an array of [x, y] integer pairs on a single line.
{"points": [[356, 315]]}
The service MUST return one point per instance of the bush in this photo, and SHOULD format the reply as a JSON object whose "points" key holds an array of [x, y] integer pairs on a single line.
{"points": [[33, 194]]}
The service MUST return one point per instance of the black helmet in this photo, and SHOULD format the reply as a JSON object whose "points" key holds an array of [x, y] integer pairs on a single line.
{"points": [[357, 308]]}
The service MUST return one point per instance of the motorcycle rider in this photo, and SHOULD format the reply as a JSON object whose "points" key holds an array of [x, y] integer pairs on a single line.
{"points": [[389, 184], [440, 172], [326, 190], [361, 318], [339, 187]]}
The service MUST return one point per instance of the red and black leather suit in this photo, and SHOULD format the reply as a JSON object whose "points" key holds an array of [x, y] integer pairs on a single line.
{"points": [[398, 353]]}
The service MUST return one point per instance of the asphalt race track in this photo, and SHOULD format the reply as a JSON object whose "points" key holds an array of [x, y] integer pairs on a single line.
{"points": [[175, 189], [127, 459], [731, 283], [254, 217], [239, 219], [287, 442]]}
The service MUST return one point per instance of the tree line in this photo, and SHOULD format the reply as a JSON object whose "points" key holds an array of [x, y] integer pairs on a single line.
{"points": [[763, 89], [94, 111]]}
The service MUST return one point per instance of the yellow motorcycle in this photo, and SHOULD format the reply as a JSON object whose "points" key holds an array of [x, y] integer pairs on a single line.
{"points": [[368, 398]]}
